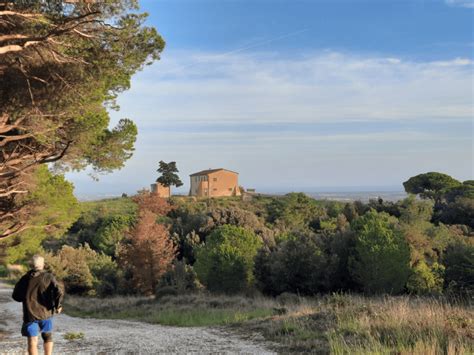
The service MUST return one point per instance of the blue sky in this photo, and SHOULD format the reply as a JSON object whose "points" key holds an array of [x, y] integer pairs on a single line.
{"points": [[302, 95]]}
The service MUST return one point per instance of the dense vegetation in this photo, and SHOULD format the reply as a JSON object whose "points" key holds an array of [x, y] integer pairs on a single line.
{"points": [[292, 243], [290, 247]]}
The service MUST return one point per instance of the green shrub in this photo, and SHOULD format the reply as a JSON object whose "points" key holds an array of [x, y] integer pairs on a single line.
{"points": [[103, 223], [235, 216], [296, 265], [181, 277], [3, 271], [83, 271], [70, 266], [380, 260], [460, 211], [74, 336], [459, 262], [295, 211], [111, 231], [426, 279], [225, 262], [107, 275]]}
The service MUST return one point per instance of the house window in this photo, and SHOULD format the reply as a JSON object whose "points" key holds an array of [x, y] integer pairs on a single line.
{"points": [[215, 179], [230, 188], [214, 189]]}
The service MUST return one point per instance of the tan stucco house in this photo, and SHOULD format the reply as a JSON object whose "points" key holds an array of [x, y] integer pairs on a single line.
{"points": [[214, 183], [160, 190]]}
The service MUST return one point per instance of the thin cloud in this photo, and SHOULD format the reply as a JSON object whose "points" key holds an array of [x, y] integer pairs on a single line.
{"points": [[318, 87], [257, 44], [462, 3]]}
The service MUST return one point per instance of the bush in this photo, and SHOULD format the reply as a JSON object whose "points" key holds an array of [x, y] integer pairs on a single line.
{"points": [[71, 266], [104, 223], [380, 260], [461, 211], [225, 262], [459, 262], [181, 278], [296, 265], [3, 271], [83, 271], [186, 242], [107, 275], [111, 231], [425, 279], [235, 216], [295, 211]]}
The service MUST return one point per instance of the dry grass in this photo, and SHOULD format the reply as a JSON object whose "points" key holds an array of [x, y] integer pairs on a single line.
{"points": [[347, 324], [339, 324]]}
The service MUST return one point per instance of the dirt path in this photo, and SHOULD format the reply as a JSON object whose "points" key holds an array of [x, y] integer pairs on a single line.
{"points": [[122, 337]]}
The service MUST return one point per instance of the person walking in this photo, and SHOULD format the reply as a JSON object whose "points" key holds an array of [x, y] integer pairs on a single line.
{"points": [[41, 296]]}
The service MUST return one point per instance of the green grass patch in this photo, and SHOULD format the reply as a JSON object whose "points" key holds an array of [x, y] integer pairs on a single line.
{"points": [[177, 311], [202, 317], [73, 336]]}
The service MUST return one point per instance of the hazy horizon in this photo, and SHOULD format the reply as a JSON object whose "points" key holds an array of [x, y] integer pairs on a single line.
{"points": [[344, 191]]}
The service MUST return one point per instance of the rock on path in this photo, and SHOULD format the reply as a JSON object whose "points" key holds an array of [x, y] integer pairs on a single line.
{"points": [[123, 337]]}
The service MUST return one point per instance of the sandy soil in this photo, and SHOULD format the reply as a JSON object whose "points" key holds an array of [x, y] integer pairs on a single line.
{"points": [[123, 337]]}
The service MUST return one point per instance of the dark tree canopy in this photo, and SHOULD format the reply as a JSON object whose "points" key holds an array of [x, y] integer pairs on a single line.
{"points": [[169, 176], [465, 190], [62, 64], [430, 185]]}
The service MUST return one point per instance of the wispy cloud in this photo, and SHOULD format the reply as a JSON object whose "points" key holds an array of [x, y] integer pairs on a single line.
{"points": [[252, 45], [317, 87], [462, 3]]}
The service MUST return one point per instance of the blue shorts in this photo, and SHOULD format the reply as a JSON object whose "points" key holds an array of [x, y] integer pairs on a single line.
{"points": [[32, 329]]}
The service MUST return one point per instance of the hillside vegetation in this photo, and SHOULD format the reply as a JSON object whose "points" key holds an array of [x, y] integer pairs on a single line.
{"points": [[318, 276]]}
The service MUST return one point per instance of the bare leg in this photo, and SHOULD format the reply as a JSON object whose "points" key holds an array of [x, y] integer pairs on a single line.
{"points": [[32, 345], [48, 348]]}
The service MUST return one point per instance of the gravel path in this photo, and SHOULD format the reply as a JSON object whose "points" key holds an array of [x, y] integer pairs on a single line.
{"points": [[123, 337]]}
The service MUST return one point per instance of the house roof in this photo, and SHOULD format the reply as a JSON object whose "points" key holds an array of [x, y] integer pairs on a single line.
{"points": [[210, 171]]}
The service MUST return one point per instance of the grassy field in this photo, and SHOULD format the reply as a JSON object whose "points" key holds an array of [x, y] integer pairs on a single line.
{"points": [[338, 324], [185, 311]]}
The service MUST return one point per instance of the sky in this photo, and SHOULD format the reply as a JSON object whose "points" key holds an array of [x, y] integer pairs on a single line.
{"points": [[300, 95]]}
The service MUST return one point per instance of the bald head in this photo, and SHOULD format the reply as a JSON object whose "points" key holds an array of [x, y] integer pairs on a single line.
{"points": [[37, 262]]}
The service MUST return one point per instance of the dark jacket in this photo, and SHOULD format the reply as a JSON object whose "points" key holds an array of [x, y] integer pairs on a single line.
{"points": [[40, 293]]}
